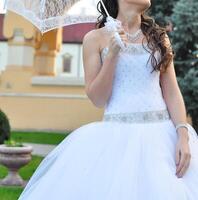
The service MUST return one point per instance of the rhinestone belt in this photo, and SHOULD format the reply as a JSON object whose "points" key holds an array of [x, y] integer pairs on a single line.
{"points": [[138, 117]]}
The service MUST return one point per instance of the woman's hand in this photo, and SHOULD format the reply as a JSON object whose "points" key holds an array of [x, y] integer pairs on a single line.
{"points": [[114, 47], [182, 153]]}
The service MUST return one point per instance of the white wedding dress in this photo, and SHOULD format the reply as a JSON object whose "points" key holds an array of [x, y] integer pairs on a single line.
{"points": [[129, 154]]}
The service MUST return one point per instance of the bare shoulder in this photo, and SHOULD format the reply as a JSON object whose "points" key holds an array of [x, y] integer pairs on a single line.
{"points": [[95, 38], [91, 39], [91, 55]]}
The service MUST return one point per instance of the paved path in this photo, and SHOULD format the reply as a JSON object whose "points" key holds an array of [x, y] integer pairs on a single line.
{"points": [[41, 149]]}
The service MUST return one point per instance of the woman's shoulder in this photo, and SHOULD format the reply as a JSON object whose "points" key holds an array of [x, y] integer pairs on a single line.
{"points": [[96, 36], [95, 33]]}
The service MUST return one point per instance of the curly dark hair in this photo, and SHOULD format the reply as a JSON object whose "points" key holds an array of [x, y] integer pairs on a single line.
{"points": [[154, 34]]}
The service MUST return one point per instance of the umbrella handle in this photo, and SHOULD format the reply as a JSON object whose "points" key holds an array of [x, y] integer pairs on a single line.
{"points": [[43, 6], [4, 5], [112, 25]]}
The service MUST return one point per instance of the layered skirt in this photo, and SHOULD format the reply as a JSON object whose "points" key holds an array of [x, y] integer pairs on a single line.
{"points": [[117, 159]]}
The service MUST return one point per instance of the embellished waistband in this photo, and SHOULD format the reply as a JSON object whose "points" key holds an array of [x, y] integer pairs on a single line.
{"points": [[138, 117]]}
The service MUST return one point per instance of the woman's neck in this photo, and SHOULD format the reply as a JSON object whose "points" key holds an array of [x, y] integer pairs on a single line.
{"points": [[131, 22], [130, 18]]}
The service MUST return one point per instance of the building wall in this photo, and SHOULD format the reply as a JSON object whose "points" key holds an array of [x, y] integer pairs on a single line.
{"points": [[42, 102], [62, 106]]}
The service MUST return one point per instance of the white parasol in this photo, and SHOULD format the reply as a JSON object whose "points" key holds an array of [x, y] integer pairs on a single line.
{"points": [[47, 15]]}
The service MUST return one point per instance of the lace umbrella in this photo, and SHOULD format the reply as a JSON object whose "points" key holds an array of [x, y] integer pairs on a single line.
{"points": [[50, 14]]}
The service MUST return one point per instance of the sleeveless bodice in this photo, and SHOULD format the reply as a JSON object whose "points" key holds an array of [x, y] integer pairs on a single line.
{"points": [[135, 88]]}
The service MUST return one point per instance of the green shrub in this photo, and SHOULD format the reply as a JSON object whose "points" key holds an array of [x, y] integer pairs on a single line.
{"points": [[4, 127]]}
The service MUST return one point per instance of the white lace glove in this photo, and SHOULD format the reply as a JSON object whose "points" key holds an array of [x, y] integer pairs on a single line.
{"points": [[112, 25]]}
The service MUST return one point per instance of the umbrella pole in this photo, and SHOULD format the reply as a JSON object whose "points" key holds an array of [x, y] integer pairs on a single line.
{"points": [[104, 7], [4, 5], [43, 6]]}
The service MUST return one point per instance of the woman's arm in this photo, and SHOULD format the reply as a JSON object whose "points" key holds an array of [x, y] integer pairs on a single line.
{"points": [[173, 98], [176, 106], [99, 77]]}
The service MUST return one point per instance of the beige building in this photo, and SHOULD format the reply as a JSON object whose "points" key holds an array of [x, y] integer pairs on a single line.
{"points": [[42, 77]]}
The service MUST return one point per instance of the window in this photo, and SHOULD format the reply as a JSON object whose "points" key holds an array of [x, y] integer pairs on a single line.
{"points": [[69, 61]]}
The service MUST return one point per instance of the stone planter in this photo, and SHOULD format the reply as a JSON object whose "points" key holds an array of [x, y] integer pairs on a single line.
{"points": [[14, 158]]}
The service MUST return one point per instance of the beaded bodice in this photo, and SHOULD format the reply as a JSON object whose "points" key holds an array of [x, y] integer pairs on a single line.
{"points": [[135, 88]]}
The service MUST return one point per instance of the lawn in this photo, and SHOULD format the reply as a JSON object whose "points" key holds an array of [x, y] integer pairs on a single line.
{"points": [[12, 193], [38, 137]]}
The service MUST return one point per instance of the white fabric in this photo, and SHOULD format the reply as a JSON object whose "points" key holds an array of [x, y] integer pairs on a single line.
{"points": [[47, 14], [135, 88], [112, 25], [115, 160]]}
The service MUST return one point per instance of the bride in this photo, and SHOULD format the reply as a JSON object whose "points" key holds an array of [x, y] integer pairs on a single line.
{"points": [[143, 148]]}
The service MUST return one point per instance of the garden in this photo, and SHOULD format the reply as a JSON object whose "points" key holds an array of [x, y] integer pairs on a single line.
{"points": [[13, 140]]}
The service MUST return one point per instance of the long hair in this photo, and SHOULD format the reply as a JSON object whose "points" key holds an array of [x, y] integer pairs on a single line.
{"points": [[155, 35]]}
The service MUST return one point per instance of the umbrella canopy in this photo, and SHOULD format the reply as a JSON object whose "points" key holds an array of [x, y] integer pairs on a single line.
{"points": [[50, 14]]}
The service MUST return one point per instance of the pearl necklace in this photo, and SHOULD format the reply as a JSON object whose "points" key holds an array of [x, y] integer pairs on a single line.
{"points": [[135, 36]]}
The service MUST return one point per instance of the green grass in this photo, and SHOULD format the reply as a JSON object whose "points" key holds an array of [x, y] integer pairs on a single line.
{"points": [[38, 137], [12, 193]]}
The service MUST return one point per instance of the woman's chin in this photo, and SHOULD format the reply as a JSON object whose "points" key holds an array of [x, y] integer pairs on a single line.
{"points": [[141, 5], [145, 5]]}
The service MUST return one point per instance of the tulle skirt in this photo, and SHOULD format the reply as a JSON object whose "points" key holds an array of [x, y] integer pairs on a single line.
{"points": [[105, 160]]}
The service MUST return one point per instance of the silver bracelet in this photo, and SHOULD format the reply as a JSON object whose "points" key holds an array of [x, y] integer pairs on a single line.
{"points": [[182, 125]]}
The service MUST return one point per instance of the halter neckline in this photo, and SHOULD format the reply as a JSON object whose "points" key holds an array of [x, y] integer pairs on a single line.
{"points": [[131, 47]]}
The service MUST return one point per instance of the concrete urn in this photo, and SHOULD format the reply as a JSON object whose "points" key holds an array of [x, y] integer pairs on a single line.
{"points": [[14, 158]]}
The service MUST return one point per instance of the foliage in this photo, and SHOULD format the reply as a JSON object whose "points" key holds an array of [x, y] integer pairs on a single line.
{"points": [[184, 36], [162, 11], [13, 143], [185, 43], [4, 127]]}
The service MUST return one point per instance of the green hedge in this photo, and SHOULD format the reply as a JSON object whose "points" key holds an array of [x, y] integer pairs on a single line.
{"points": [[4, 127]]}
